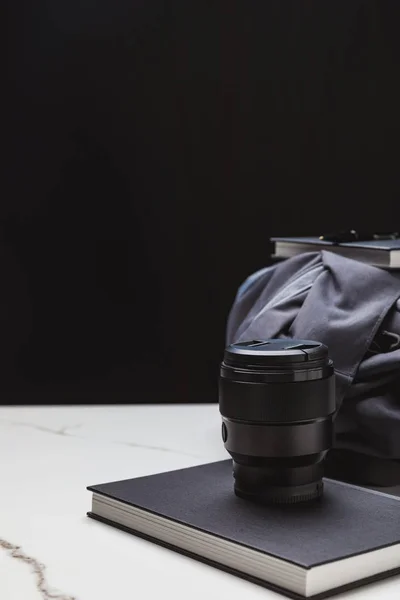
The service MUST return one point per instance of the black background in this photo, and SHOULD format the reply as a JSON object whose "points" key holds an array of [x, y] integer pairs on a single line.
{"points": [[152, 148]]}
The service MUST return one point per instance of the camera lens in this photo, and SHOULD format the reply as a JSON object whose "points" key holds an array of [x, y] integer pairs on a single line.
{"points": [[277, 400]]}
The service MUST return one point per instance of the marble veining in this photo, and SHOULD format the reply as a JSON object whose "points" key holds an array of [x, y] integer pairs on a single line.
{"points": [[65, 430], [38, 570], [159, 448]]}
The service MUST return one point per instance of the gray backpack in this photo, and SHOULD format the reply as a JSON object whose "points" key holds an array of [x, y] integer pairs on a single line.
{"points": [[354, 309]]}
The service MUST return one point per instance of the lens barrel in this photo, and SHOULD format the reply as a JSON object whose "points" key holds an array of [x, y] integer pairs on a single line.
{"points": [[277, 400]]}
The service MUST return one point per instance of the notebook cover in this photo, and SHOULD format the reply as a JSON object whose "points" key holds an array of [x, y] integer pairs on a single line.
{"points": [[385, 245], [307, 535]]}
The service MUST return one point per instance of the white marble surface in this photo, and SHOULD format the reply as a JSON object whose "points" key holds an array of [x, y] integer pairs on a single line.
{"points": [[50, 550]]}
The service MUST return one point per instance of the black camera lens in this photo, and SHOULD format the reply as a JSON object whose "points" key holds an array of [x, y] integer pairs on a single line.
{"points": [[277, 400]]}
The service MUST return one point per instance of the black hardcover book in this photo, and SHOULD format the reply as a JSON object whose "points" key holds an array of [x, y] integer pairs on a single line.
{"points": [[379, 253], [349, 537]]}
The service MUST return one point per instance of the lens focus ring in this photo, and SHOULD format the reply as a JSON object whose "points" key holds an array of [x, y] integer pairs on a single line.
{"points": [[281, 441]]}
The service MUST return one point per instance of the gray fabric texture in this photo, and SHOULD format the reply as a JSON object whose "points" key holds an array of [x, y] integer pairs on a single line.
{"points": [[351, 307]]}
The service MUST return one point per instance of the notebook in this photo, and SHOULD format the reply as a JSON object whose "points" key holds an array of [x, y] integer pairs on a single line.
{"points": [[349, 537], [379, 253]]}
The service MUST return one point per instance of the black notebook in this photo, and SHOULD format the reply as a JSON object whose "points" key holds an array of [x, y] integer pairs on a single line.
{"points": [[379, 253], [348, 537]]}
